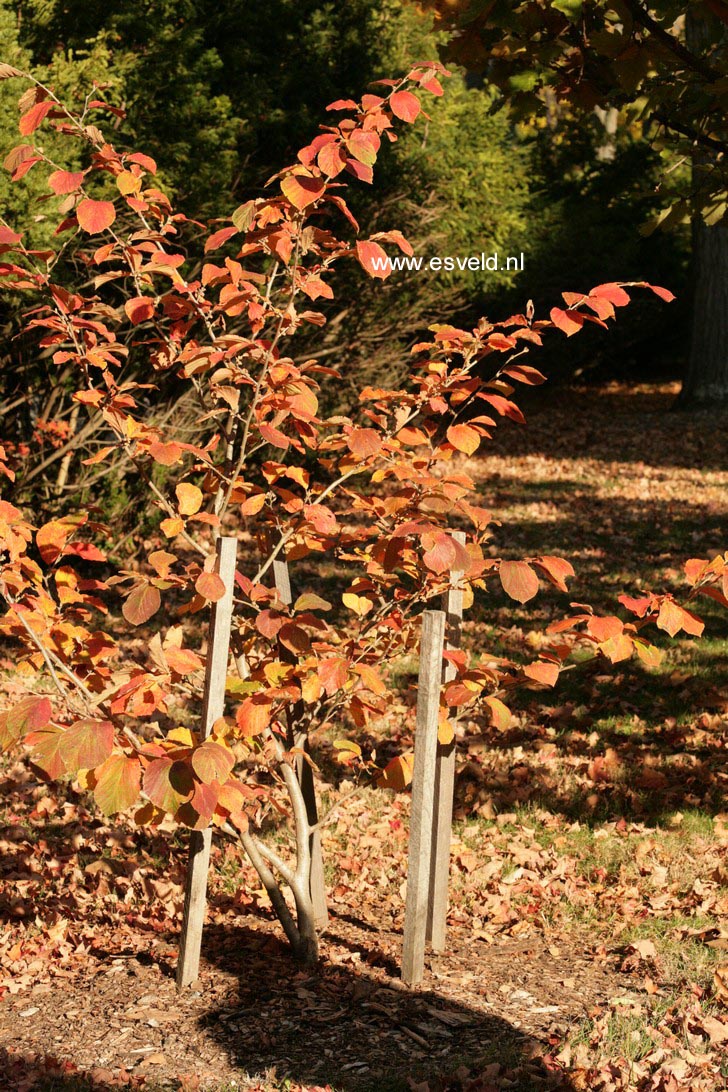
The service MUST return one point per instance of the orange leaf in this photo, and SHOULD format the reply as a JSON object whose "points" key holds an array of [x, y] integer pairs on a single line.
{"points": [[252, 505], [28, 715], [210, 586], [183, 661], [65, 181], [141, 604], [397, 774], [165, 454], [253, 716], [171, 527], [302, 189], [519, 580], [405, 105], [212, 762], [500, 713], [95, 216], [30, 121], [568, 321], [542, 672], [373, 259], [168, 784], [556, 569], [139, 309], [364, 442], [672, 618], [464, 438]]}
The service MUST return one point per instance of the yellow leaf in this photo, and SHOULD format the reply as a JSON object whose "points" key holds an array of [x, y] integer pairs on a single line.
{"points": [[183, 736], [445, 732], [347, 745], [128, 183], [189, 498], [311, 689], [358, 603]]}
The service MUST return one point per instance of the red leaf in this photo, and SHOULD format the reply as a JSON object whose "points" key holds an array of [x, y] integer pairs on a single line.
{"points": [[364, 442], [139, 309], [141, 604], [612, 292], [219, 237], [8, 237], [568, 321], [373, 259], [30, 121], [405, 105], [519, 580], [65, 181], [95, 216], [210, 586]]}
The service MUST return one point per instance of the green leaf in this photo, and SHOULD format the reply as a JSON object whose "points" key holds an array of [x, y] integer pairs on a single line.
{"points": [[86, 744], [570, 8]]}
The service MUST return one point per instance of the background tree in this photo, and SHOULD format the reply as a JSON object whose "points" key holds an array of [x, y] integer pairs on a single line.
{"points": [[663, 68]]}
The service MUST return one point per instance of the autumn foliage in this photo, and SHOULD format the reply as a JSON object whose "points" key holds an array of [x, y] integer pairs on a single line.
{"points": [[378, 493]]}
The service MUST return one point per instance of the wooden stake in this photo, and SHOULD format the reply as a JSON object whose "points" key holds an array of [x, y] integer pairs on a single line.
{"points": [[218, 647], [444, 780], [423, 791], [305, 776]]}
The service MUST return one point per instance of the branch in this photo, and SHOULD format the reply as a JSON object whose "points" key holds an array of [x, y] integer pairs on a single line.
{"points": [[674, 45]]}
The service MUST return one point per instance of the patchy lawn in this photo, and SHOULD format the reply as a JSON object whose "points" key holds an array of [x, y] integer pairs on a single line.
{"points": [[588, 931]]}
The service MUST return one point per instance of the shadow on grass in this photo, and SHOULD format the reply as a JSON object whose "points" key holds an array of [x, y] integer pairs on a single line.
{"points": [[619, 743], [622, 424]]}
